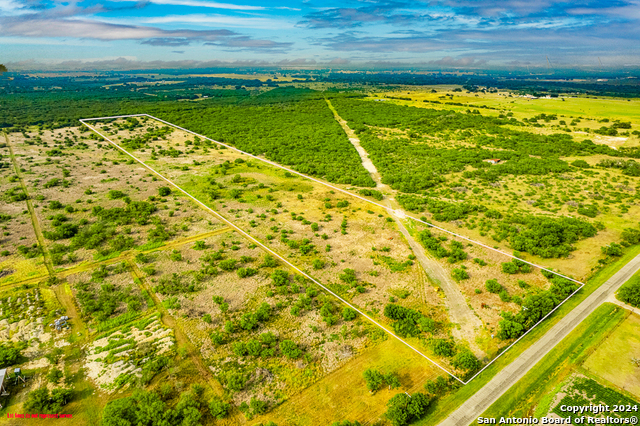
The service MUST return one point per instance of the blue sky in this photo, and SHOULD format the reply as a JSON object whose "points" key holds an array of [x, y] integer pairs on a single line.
{"points": [[188, 33]]}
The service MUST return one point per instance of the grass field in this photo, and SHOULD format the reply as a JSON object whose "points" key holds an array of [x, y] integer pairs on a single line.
{"points": [[343, 394], [612, 359]]}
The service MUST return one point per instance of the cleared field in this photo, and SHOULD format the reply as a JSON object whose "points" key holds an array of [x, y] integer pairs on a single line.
{"points": [[612, 360], [343, 395]]}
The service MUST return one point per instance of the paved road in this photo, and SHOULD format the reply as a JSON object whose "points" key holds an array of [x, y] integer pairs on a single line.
{"points": [[505, 379]]}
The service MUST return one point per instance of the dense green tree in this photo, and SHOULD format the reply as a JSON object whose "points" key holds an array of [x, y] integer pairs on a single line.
{"points": [[9, 354], [41, 401], [373, 378], [630, 293], [403, 409]]}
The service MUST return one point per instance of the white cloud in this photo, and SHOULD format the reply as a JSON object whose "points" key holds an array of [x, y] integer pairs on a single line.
{"points": [[11, 7], [221, 20], [205, 3]]}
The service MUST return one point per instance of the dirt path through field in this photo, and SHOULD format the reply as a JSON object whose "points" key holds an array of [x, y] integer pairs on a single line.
{"points": [[466, 323], [65, 297], [87, 266], [235, 417], [32, 212]]}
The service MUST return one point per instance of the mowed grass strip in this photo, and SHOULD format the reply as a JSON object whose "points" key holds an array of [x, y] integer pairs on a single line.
{"points": [[343, 395]]}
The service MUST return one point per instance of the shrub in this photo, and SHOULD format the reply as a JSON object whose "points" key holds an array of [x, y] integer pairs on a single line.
{"points": [[218, 408], [373, 378], [40, 401], [228, 264], [246, 272], [54, 376], [466, 360], [115, 194], [318, 264], [403, 409], [493, 286], [348, 276], [9, 355], [442, 347], [459, 274], [164, 191], [612, 249], [631, 236], [290, 349], [348, 313], [509, 268], [269, 261]]}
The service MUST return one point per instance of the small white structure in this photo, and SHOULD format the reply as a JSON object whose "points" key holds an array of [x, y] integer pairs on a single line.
{"points": [[3, 377]]}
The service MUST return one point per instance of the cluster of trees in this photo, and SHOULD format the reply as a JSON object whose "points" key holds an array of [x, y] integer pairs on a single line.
{"points": [[361, 113], [516, 266], [102, 302], [628, 167], [455, 253], [142, 140], [43, 401], [442, 211], [266, 346], [9, 354], [403, 409], [149, 408], [375, 379], [408, 322], [535, 307], [544, 236], [372, 193], [414, 164], [630, 292], [286, 128]]}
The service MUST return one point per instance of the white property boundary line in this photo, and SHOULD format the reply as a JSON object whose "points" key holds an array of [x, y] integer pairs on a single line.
{"points": [[84, 122]]}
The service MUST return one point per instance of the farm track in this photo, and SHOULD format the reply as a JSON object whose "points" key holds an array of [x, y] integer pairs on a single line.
{"points": [[235, 417], [63, 273], [66, 299], [459, 311], [34, 218]]}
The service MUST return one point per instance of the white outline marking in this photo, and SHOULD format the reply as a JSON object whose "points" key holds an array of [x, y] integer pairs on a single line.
{"points": [[84, 120]]}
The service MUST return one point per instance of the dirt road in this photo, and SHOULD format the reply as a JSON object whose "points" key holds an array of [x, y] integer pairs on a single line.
{"points": [[459, 311]]}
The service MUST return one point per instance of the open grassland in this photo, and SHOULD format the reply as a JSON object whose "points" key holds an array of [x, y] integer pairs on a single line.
{"points": [[363, 253], [589, 109], [20, 257], [73, 180], [612, 360], [343, 394]]}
